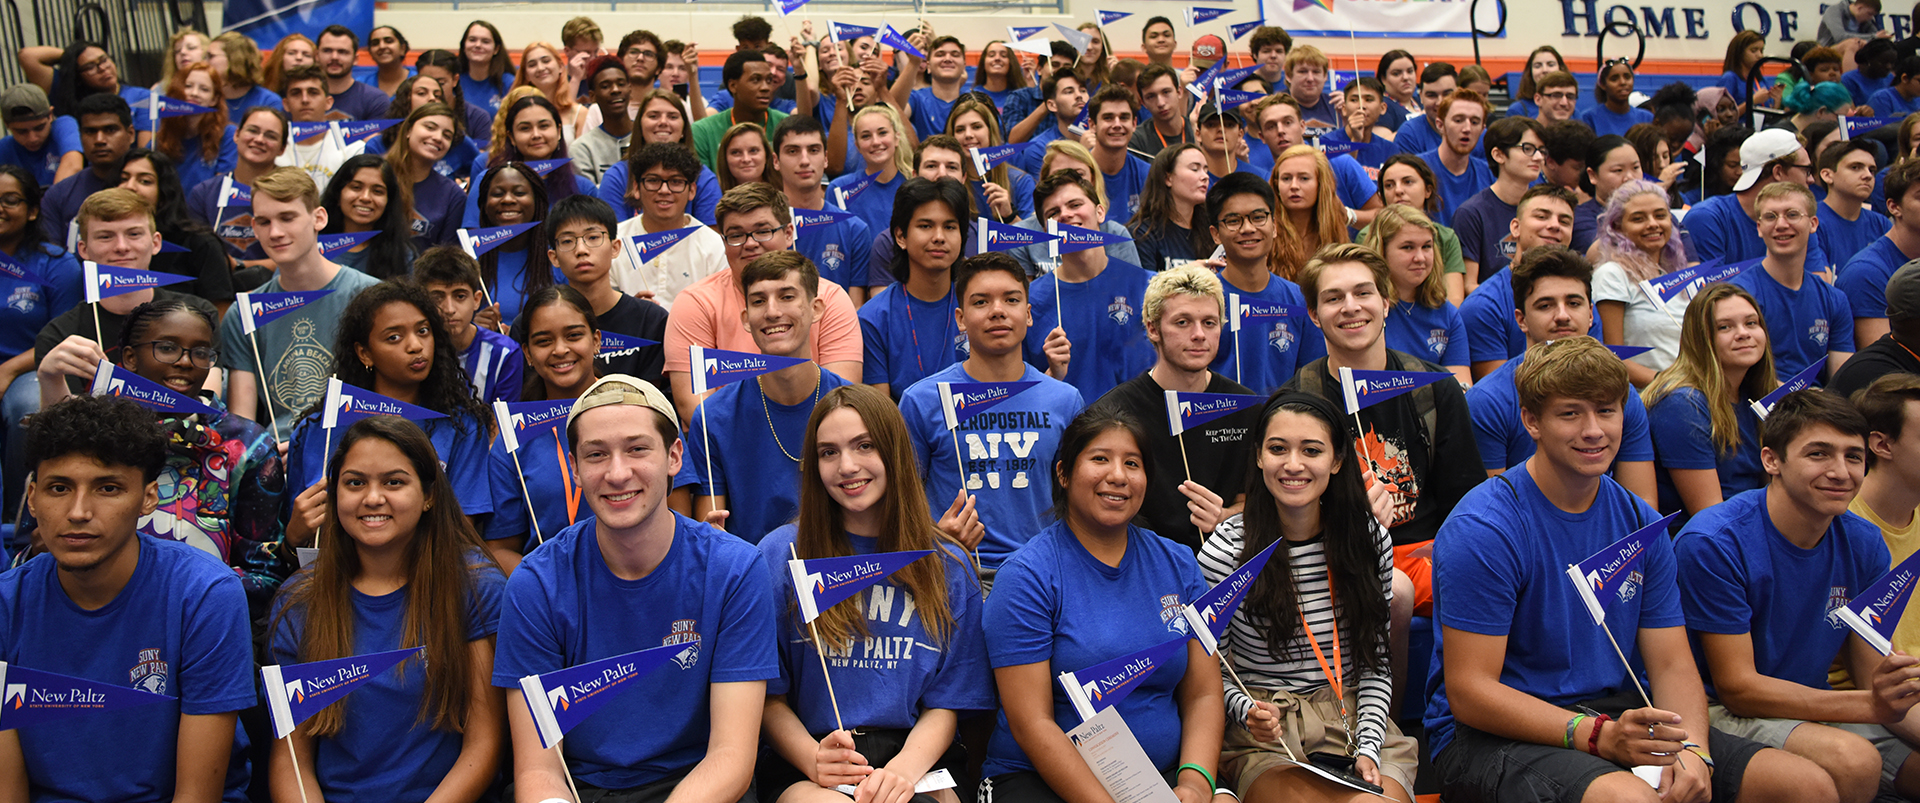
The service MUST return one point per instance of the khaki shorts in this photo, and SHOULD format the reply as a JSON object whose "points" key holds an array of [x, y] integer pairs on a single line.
{"points": [[1309, 724], [1773, 733]]}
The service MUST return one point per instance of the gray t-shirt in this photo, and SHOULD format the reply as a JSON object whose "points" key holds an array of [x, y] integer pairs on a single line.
{"points": [[596, 150], [297, 348]]}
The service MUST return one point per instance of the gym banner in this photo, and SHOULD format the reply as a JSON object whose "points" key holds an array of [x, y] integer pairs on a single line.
{"points": [[266, 22], [1375, 19]]}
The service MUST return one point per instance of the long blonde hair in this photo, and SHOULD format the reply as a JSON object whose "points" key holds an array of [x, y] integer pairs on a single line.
{"points": [[902, 149], [1292, 248], [1387, 224], [561, 96], [1697, 366]]}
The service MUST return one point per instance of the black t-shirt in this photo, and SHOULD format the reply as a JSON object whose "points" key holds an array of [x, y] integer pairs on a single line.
{"points": [[632, 317], [1431, 472], [1882, 357], [1217, 451], [205, 260], [79, 321]]}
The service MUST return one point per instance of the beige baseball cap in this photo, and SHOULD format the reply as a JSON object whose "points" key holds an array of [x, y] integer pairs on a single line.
{"points": [[623, 389]]}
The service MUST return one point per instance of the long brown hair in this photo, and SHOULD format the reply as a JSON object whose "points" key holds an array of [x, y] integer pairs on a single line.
{"points": [[998, 173], [442, 558], [906, 520], [273, 72], [210, 127], [401, 154], [1291, 248], [1387, 224], [1697, 366]]}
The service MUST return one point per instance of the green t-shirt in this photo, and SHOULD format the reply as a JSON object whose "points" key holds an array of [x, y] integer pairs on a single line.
{"points": [[708, 131]]}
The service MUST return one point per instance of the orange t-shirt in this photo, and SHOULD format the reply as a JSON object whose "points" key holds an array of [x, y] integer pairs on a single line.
{"points": [[707, 314]]}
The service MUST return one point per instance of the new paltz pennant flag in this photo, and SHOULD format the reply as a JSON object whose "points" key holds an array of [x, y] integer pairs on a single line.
{"points": [[1855, 126], [112, 380], [715, 367], [1019, 32], [528, 420], [1110, 17], [788, 6], [565, 698], [1363, 389], [170, 248], [842, 31], [352, 131], [1690, 280], [1331, 145], [331, 244], [1876, 610], [1104, 685], [107, 281], [1205, 79], [803, 218], [480, 241], [1235, 97], [1200, 14], [892, 38], [162, 107], [232, 193], [1188, 410], [545, 166], [1239, 311], [298, 691], [1209, 615], [302, 131], [960, 401], [822, 583], [997, 236], [656, 243], [34, 697], [259, 309], [18, 270], [617, 345], [1613, 574], [1079, 124], [1074, 239], [346, 404], [1629, 352], [1801, 381], [992, 156], [1242, 29]]}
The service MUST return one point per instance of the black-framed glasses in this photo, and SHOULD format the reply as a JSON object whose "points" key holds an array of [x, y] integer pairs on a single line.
{"points": [[654, 183], [592, 239], [737, 239], [1255, 219], [169, 352]]}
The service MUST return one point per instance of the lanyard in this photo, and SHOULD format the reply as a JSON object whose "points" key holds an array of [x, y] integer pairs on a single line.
{"points": [[568, 484], [913, 330], [1336, 675], [1903, 346]]}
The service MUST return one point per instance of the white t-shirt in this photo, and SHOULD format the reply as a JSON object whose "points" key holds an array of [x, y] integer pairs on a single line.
{"points": [[1657, 327], [700, 253]]}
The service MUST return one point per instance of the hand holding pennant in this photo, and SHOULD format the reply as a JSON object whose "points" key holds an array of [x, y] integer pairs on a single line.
{"points": [[714, 367], [564, 698], [1192, 409], [992, 156], [892, 38], [1209, 616], [1875, 612], [1361, 389], [517, 420], [112, 380], [1808, 377], [1105, 684], [106, 281], [1612, 575], [34, 697], [821, 583]]}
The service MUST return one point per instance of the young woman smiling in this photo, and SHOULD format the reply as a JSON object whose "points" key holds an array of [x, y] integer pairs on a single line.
{"points": [[1637, 242], [1005, 190], [258, 142], [660, 116], [82, 69], [746, 155], [420, 142], [543, 67], [366, 196], [1706, 441], [484, 69], [201, 144], [512, 195], [886, 158], [292, 51], [528, 130], [1422, 321]]}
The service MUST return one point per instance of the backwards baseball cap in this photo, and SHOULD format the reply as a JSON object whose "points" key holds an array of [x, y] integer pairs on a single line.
{"points": [[1212, 111], [1903, 292], [23, 102], [1761, 149], [616, 389], [1207, 50]]}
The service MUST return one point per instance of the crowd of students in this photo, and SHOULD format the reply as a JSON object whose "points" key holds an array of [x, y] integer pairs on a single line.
{"points": [[827, 204]]}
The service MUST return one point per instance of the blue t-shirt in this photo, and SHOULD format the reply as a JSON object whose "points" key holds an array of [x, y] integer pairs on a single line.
{"points": [[178, 628], [762, 485], [1742, 576], [485, 94], [1802, 325], [1722, 230], [1843, 239], [885, 678], [30, 306], [1482, 222], [1890, 103], [1492, 333], [1504, 442], [1123, 189], [365, 102], [1736, 86], [382, 752], [1020, 192], [874, 204], [1500, 569], [1862, 87], [546, 464], [1454, 190], [1321, 111], [1101, 317], [1054, 602], [1009, 454], [477, 169], [1290, 342], [1864, 279], [564, 607], [257, 96], [613, 190], [494, 366], [1435, 334], [1524, 107], [839, 249], [905, 339], [510, 286], [1586, 224], [1370, 154], [45, 162], [722, 100], [1029, 158], [1417, 135], [437, 206], [1683, 439], [1604, 121], [234, 224], [929, 112], [462, 451], [195, 168], [1352, 182]]}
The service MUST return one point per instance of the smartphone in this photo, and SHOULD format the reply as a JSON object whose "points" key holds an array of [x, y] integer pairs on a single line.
{"points": [[681, 90], [1342, 766]]}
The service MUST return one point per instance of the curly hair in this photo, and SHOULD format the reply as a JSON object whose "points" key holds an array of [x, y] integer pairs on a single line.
{"points": [[209, 126], [110, 429], [446, 390]]}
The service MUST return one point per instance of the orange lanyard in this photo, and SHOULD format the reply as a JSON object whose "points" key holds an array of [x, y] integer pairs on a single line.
{"points": [[1916, 357], [567, 483], [1336, 676]]}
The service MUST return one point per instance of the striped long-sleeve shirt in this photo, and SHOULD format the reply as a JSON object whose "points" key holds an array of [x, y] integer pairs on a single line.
{"points": [[1294, 668]]}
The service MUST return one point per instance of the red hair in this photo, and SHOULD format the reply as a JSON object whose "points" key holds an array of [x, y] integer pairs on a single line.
{"points": [[211, 126]]}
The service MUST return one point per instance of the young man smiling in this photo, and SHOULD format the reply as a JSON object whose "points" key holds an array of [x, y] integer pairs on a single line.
{"points": [[1268, 350], [638, 576], [601, 146], [1544, 217], [1124, 173], [1808, 320], [307, 101], [335, 50], [1091, 299], [581, 246], [1556, 94], [945, 75], [1065, 97], [664, 175], [1157, 41]]}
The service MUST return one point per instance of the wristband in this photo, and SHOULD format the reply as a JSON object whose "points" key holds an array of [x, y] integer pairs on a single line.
{"points": [[1199, 769], [1352, 217], [1572, 725], [1593, 739], [1227, 792], [1704, 756]]}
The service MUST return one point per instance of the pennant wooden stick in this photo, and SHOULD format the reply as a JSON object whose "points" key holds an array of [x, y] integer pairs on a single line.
{"points": [[1182, 438], [266, 392], [820, 649], [98, 337], [532, 516], [297, 779], [706, 440], [568, 771]]}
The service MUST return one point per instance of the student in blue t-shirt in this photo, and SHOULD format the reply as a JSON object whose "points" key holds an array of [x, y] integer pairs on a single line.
{"points": [[1460, 173], [1493, 336], [1065, 97], [1848, 225], [1722, 227], [1266, 349], [1007, 448], [392, 341], [1520, 651], [908, 329], [867, 189], [1087, 589], [492, 360], [1005, 193], [402, 573], [1902, 97], [1513, 147], [1705, 453], [1553, 298], [900, 712], [927, 90], [117, 609], [1763, 572], [1124, 173], [1091, 298], [1808, 320], [512, 194], [837, 248], [1422, 322], [1864, 279], [726, 454], [638, 576], [46, 145], [1875, 73], [1615, 113], [438, 202]]}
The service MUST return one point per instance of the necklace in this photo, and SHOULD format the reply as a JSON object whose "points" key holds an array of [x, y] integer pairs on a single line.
{"points": [[768, 412]]}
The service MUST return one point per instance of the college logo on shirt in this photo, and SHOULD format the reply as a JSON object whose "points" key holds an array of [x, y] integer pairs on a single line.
{"points": [[23, 298], [1837, 598], [1280, 337], [1120, 310], [150, 672], [831, 257], [1630, 586], [1170, 608], [1437, 341], [960, 345], [682, 632], [1818, 331]]}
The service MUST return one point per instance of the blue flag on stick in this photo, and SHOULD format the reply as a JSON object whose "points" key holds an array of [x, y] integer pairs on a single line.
{"points": [[997, 236], [618, 345], [562, 699], [1808, 377], [1188, 410], [479, 241], [298, 691], [1613, 573], [352, 131], [1242, 29], [1019, 32], [34, 697], [715, 367], [1110, 17], [545, 166], [1629, 352], [843, 31], [960, 401], [346, 404], [822, 583], [331, 244], [112, 380], [1104, 685], [656, 243], [107, 281], [301, 131], [1241, 309], [527, 420], [844, 194], [802, 218], [1855, 126], [987, 158], [789, 6], [1200, 14], [892, 38], [258, 309], [1209, 615], [1074, 239], [1363, 389], [161, 107], [1876, 610]]}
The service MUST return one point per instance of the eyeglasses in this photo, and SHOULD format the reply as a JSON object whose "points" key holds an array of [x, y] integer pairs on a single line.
{"points": [[592, 239], [1255, 219], [96, 65], [1561, 96], [169, 352], [1527, 148], [737, 239], [1791, 215], [654, 183], [13, 200]]}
